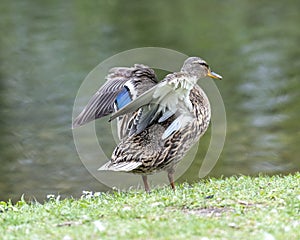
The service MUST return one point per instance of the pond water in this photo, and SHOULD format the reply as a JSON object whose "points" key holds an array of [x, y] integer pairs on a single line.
{"points": [[47, 48]]}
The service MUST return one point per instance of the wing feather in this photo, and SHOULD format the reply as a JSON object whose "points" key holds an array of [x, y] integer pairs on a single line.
{"points": [[102, 102], [137, 103], [159, 103]]}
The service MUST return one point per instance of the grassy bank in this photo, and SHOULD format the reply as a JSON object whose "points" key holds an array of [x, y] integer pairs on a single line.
{"points": [[230, 208]]}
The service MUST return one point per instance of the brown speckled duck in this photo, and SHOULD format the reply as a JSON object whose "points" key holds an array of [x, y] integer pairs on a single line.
{"points": [[158, 122]]}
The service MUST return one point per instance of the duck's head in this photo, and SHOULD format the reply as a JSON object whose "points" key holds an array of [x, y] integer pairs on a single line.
{"points": [[198, 68]]}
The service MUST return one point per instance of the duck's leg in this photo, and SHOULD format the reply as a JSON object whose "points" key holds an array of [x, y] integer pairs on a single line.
{"points": [[171, 172], [146, 184]]}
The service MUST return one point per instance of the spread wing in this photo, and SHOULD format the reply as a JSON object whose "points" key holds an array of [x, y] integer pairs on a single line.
{"points": [[103, 101]]}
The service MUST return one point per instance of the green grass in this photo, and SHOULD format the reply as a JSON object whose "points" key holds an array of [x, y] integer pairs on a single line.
{"points": [[230, 208]]}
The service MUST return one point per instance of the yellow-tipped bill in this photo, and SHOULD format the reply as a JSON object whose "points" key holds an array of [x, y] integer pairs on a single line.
{"points": [[214, 75]]}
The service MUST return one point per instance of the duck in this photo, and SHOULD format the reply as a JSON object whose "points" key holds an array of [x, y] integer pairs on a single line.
{"points": [[157, 121]]}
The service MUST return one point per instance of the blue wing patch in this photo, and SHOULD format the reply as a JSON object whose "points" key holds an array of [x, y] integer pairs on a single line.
{"points": [[123, 98]]}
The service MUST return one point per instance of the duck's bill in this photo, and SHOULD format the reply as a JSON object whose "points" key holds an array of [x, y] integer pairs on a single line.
{"points": [[214, 75]]}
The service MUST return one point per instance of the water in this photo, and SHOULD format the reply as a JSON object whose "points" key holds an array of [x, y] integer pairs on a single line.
{"points": [[47, 48]]}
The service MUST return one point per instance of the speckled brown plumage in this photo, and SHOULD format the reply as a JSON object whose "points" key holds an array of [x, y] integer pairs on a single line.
{"points": [[155, 154]]}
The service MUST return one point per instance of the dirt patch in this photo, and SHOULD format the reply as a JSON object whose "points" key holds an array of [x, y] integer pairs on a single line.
{"points": [[208, 212]]}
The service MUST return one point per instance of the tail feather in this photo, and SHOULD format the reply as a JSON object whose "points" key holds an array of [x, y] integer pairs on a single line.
{"points": [[120, 166]]}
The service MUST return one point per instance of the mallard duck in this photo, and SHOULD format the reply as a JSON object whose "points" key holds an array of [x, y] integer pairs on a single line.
{"points": [[158, 122]]}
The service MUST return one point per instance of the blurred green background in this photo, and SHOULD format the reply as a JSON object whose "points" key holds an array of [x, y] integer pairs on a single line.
{"points": [[48, 47]]}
